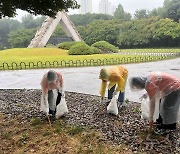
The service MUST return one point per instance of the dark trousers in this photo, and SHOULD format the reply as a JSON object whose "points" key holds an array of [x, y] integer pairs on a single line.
{"points": [[50, 98], [120, 97]]}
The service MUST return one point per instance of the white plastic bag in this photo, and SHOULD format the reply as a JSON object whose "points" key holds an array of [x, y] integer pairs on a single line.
{"points": [[145, 108], [112, 107], [61, 108]]}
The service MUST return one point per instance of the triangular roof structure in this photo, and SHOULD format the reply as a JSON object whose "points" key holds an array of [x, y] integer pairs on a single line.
{"points": [[49, 25]]}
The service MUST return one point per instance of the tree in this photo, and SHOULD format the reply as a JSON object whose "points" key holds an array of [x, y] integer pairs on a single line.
{"points": [[6, 26], [172, 9], [121, 14], [140, 14], [21, 38], [99, 30], [84, 19], [36, 7], [28, 21]]}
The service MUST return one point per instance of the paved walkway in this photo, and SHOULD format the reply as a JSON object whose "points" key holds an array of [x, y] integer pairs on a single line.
{"points": [[84, 79]]}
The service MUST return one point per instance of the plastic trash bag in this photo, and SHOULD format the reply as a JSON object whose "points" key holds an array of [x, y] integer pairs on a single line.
{"points": [[61, 108], [112, 107], [145, 108]]}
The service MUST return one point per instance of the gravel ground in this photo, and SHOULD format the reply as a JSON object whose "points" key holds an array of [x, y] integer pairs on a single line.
{"points": [[85, 110]]}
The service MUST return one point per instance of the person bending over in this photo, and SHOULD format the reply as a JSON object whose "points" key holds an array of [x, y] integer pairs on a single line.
{"points": [[116, 76], [164, 89]]}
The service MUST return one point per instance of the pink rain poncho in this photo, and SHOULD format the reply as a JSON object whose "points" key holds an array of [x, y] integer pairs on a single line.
{"points": [[164, 89]]}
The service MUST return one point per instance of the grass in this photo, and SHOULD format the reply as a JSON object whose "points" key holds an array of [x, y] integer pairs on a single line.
{"points": [[60, 138], [29, 58]]}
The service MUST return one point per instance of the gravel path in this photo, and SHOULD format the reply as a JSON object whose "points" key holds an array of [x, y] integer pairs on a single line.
{"points": [[85, 110]]}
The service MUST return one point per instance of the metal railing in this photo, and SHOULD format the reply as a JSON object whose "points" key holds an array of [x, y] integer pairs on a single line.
{"points": [[91, 62]]}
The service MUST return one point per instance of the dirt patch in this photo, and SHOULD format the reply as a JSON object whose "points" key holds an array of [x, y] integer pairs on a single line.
{"points": [[87, 116]]}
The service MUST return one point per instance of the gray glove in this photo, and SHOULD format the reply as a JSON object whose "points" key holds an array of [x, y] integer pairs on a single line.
{"points": [[144, 96], [102, 99]]}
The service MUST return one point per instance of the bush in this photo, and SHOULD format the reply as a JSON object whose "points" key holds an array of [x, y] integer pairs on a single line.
{"points": [[80, 49], [96, 50], [105, 47], [67, 45]]}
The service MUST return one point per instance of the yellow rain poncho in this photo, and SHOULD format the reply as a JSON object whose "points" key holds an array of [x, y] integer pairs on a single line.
{"points": [[114, 75]]}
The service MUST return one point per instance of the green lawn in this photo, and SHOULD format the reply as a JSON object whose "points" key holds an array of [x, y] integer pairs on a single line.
{"points": [[54, 57]]}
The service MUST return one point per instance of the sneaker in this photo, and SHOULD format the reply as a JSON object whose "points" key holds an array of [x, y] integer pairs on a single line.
{"points": [[162, 131], [52, 113], [157, 124]]}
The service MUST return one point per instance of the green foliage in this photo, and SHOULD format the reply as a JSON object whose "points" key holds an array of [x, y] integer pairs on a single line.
{"points": [[96, 50], [49, 8], [172, 9], [121, 14], [66, 45], [99, 30], [35, 121], [21, 38], [105, 47], [80, 49], [84, 19], [58, 32], [74, 130], [151, 32], [6, 26], [140, 14], [29, 22]]}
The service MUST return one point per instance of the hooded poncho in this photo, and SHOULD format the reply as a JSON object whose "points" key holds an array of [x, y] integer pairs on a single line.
{"points": [[116, 75]]}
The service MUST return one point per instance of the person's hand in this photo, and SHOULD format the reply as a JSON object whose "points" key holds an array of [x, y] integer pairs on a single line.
{"points": [[151, 123], [102, 98], [144, 96], [114, 93]]}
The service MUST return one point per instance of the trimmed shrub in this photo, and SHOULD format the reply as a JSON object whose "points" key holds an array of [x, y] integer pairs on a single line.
{"points": [[67, 45], [96, 50], [105, 47], [80, 49]]}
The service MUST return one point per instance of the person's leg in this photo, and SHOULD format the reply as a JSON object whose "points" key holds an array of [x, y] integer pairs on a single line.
{"points": [[168, 112], [110, 94], [58, 100], [121, 96], [50, 101]]}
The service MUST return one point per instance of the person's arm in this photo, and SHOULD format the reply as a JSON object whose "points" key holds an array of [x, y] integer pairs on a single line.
{"points": [[44, 96], [152, 109], [120, 84], [61, 81], [103, 88], [45, 106]]}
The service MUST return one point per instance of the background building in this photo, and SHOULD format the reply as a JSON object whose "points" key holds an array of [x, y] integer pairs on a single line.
{"points": [[106, 7], [86, 6]]}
